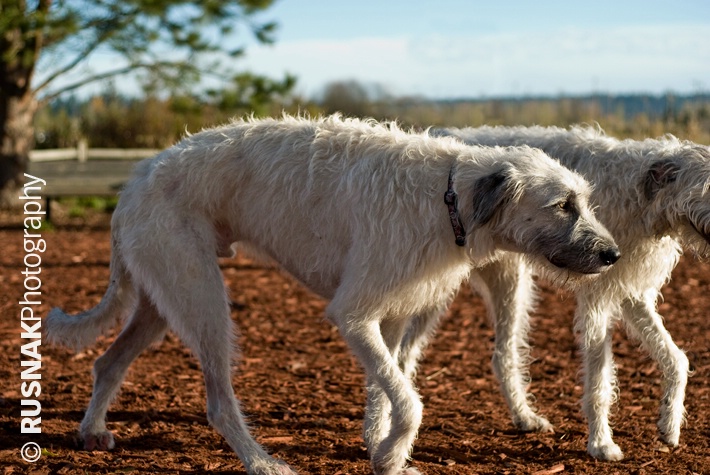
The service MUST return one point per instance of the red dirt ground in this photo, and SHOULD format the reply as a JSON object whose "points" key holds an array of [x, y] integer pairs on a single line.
{"points": [[305, 396]]}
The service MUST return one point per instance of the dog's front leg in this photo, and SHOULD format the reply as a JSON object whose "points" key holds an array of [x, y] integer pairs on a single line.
{"points": [[594, 325], [378, 419], [646, 324], [406, 349], [507, 288], [364, 336], [417, 336]]}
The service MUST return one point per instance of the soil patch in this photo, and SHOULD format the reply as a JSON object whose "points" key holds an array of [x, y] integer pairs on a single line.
{"points": [[304, 394]]}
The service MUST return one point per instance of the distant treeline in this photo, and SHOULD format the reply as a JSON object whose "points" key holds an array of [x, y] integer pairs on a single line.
{"points": [[630, 105], [111, 120]]}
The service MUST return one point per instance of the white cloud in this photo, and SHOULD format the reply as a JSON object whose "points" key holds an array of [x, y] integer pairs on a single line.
{"points": [[570, 60], [318, 62]]}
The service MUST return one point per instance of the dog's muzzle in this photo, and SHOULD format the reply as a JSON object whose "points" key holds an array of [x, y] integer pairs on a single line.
{"points": [[609, 256], [593, 264]]}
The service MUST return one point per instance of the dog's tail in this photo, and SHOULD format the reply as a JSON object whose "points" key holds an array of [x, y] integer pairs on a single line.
{"points": [[78, 331]]}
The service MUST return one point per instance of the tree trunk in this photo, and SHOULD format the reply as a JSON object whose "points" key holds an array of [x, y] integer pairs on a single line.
{"points": [[16, 141], [20, 44]]}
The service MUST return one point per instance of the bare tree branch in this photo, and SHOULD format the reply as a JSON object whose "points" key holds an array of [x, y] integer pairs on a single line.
{"points": [[79, 58], [102, 34], [105, 75]]}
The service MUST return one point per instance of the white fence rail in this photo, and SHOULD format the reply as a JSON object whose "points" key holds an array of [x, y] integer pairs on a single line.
{"points": [[84, 171], [83, 153]]}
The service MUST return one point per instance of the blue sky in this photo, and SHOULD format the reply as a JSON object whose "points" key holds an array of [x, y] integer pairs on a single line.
{"points": [[458, 48]]}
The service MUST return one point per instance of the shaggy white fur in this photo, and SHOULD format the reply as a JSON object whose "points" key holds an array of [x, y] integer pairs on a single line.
{"points": [[355, 211], [652, 196]]}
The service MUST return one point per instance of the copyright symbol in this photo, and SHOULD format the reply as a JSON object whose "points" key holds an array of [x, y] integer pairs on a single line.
{"points": [[30, 452]]}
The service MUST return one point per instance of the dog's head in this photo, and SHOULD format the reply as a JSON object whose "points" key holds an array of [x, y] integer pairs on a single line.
{"points": [[529, 203], [675, 187]]}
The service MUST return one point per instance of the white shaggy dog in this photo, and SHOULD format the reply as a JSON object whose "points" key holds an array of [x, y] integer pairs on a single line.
{"points": [[353, 209], [653, 197]]}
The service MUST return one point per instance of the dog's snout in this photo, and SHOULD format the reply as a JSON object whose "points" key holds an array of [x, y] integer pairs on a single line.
{"points": [[609, 256]]}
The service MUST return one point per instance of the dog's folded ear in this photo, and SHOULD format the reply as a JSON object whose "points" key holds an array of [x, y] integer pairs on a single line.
{"points": [[659, 174], [489, 193]]}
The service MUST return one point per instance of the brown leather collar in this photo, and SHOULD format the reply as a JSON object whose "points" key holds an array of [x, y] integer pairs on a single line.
{"points": [[451, 199]]}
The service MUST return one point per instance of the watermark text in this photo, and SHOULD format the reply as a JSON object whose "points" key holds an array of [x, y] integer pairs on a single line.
{"points": [[30, 321]]}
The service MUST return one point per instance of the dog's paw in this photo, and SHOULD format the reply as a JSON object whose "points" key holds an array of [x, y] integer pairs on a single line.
{"points": [[609, 452], [410, 471], [280, 469], [100, 441], [270, 467], [533, 423], [669, 427], [671, 438], [401, 471]]}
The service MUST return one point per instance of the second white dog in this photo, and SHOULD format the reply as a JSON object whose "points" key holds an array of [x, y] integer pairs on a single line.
{"points": [[653, 196]]}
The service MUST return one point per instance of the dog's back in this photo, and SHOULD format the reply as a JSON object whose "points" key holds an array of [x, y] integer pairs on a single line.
{"points": [[288, 187]]}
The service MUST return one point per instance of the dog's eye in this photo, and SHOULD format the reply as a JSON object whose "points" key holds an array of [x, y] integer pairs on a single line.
{"points": [[565, 205]]}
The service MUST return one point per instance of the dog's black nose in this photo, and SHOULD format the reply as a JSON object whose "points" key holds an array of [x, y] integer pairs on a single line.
{"points": [[609, 256]]}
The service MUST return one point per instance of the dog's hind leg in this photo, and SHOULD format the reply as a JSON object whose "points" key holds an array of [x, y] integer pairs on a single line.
{"points": [[507, 288], [210, 336], [181, 274], [144, 327], [646, 324]]}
